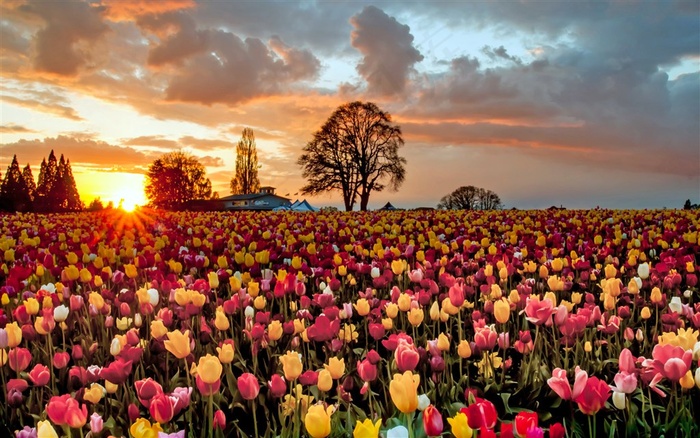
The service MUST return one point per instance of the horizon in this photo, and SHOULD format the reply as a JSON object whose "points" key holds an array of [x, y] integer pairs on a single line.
{"points": [[582, 105]]}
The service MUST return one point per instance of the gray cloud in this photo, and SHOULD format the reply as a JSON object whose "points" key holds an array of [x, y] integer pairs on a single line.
{"points": [[62, 45], [387, 49]]}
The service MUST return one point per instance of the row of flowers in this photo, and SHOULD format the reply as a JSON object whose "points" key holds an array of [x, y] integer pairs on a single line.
{"points": [[394, 323]]}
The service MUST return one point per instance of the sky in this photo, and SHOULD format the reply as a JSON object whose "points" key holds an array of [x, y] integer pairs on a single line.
{"points": [[580, 104]]}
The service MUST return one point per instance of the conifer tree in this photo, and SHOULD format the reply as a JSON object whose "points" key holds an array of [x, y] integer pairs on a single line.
{"points": [[14, 195], [72, 197], [246, 180], [29, 181], [48, 176]]}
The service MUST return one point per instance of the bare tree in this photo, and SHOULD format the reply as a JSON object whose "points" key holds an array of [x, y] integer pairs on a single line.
{"points": [[356, 153], [246, 179]]}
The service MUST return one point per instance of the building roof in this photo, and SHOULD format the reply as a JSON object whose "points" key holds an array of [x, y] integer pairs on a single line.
{"points": [[388, 206], [249, 196]]}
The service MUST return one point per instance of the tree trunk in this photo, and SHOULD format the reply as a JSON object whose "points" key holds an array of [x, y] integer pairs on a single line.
{"points": [[364, 200]]}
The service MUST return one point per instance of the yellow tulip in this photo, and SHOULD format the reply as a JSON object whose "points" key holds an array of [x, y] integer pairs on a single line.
{"points": [[404, 302], [464, 350], [275, 330], [391, 310], [142, 428], [687, 381], [213, 280], [85, 275], [158, 329], [645, 313], [501, 310], [178, 343], [366, 429], [460, 426], [362, 307], [325, 380], [443, 342], [130, 271], [397, 267], [226, 353], [44, 429], [291, 365], [209, 369], [14, 334], [221, 321], [403, 390], [94, 394], [415, 316], [656, 296], [96, 300], [336, 367], [318, 420], [32, 306], [72, 273]]}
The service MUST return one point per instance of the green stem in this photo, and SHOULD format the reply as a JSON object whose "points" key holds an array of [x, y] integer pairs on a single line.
{"points": [[255, 417], [409, 424]]}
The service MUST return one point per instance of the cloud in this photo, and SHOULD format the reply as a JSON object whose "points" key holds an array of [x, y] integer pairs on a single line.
{"points": [[124, 10], [62, 45], [205, 144], [46, 107], [215, 66], [151, 140], [81, 152], [209, 161], [12, 128], [387, 49]]}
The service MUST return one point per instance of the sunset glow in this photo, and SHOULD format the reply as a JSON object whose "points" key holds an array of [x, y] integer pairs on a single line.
{"points": [[579, 105]]}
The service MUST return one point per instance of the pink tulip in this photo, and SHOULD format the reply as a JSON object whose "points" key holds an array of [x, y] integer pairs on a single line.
{"points": [[539, 311], [560, 384]]}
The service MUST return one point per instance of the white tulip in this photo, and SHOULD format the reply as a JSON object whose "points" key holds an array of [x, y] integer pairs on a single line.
{"points": [[675, 305], [375, 272], [688, 293], [643, 271], [619, 400], [697, 378], [397, 432], [115, 347], [423, 402], [138, 320], [696, 351], [153, 296], [60, 313], [249, 312], [638, 281]]}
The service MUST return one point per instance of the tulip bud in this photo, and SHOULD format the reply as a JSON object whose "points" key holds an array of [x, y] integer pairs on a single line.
{"points": [[96, 423], [639, 336]]}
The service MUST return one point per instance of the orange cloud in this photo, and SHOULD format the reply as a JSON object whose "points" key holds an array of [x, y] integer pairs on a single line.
{"points": [[125, 10]]}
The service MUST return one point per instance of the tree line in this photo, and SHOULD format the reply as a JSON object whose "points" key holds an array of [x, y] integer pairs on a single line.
{"points": [[355, 153], [55, 191]]}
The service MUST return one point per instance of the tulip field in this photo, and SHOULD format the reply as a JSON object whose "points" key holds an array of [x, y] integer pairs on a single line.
{"points": [[558, 323]]}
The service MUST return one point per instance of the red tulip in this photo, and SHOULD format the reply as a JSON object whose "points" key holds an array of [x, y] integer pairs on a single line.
{"points": [[556, 430], [486, 433], [481, 413], [594, 396], [219, 419], [40, 375], [525, 421], [19, 359], [207, 389], [432, 421], [60, 360], [366, 370], [406, 357], [277, 385], [162, 407], [308, 378], [248, 386], [117, 372], [133, 412], [146, 390], [65, 410]]}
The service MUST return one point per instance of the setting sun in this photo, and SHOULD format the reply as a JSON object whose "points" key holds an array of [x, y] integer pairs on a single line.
{"points": [[116, 187]]}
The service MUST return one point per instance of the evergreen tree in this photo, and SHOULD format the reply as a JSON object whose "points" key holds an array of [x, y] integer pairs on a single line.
{"points": [[14, 195], [73, 201], [29, 182], [48, 176]]}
